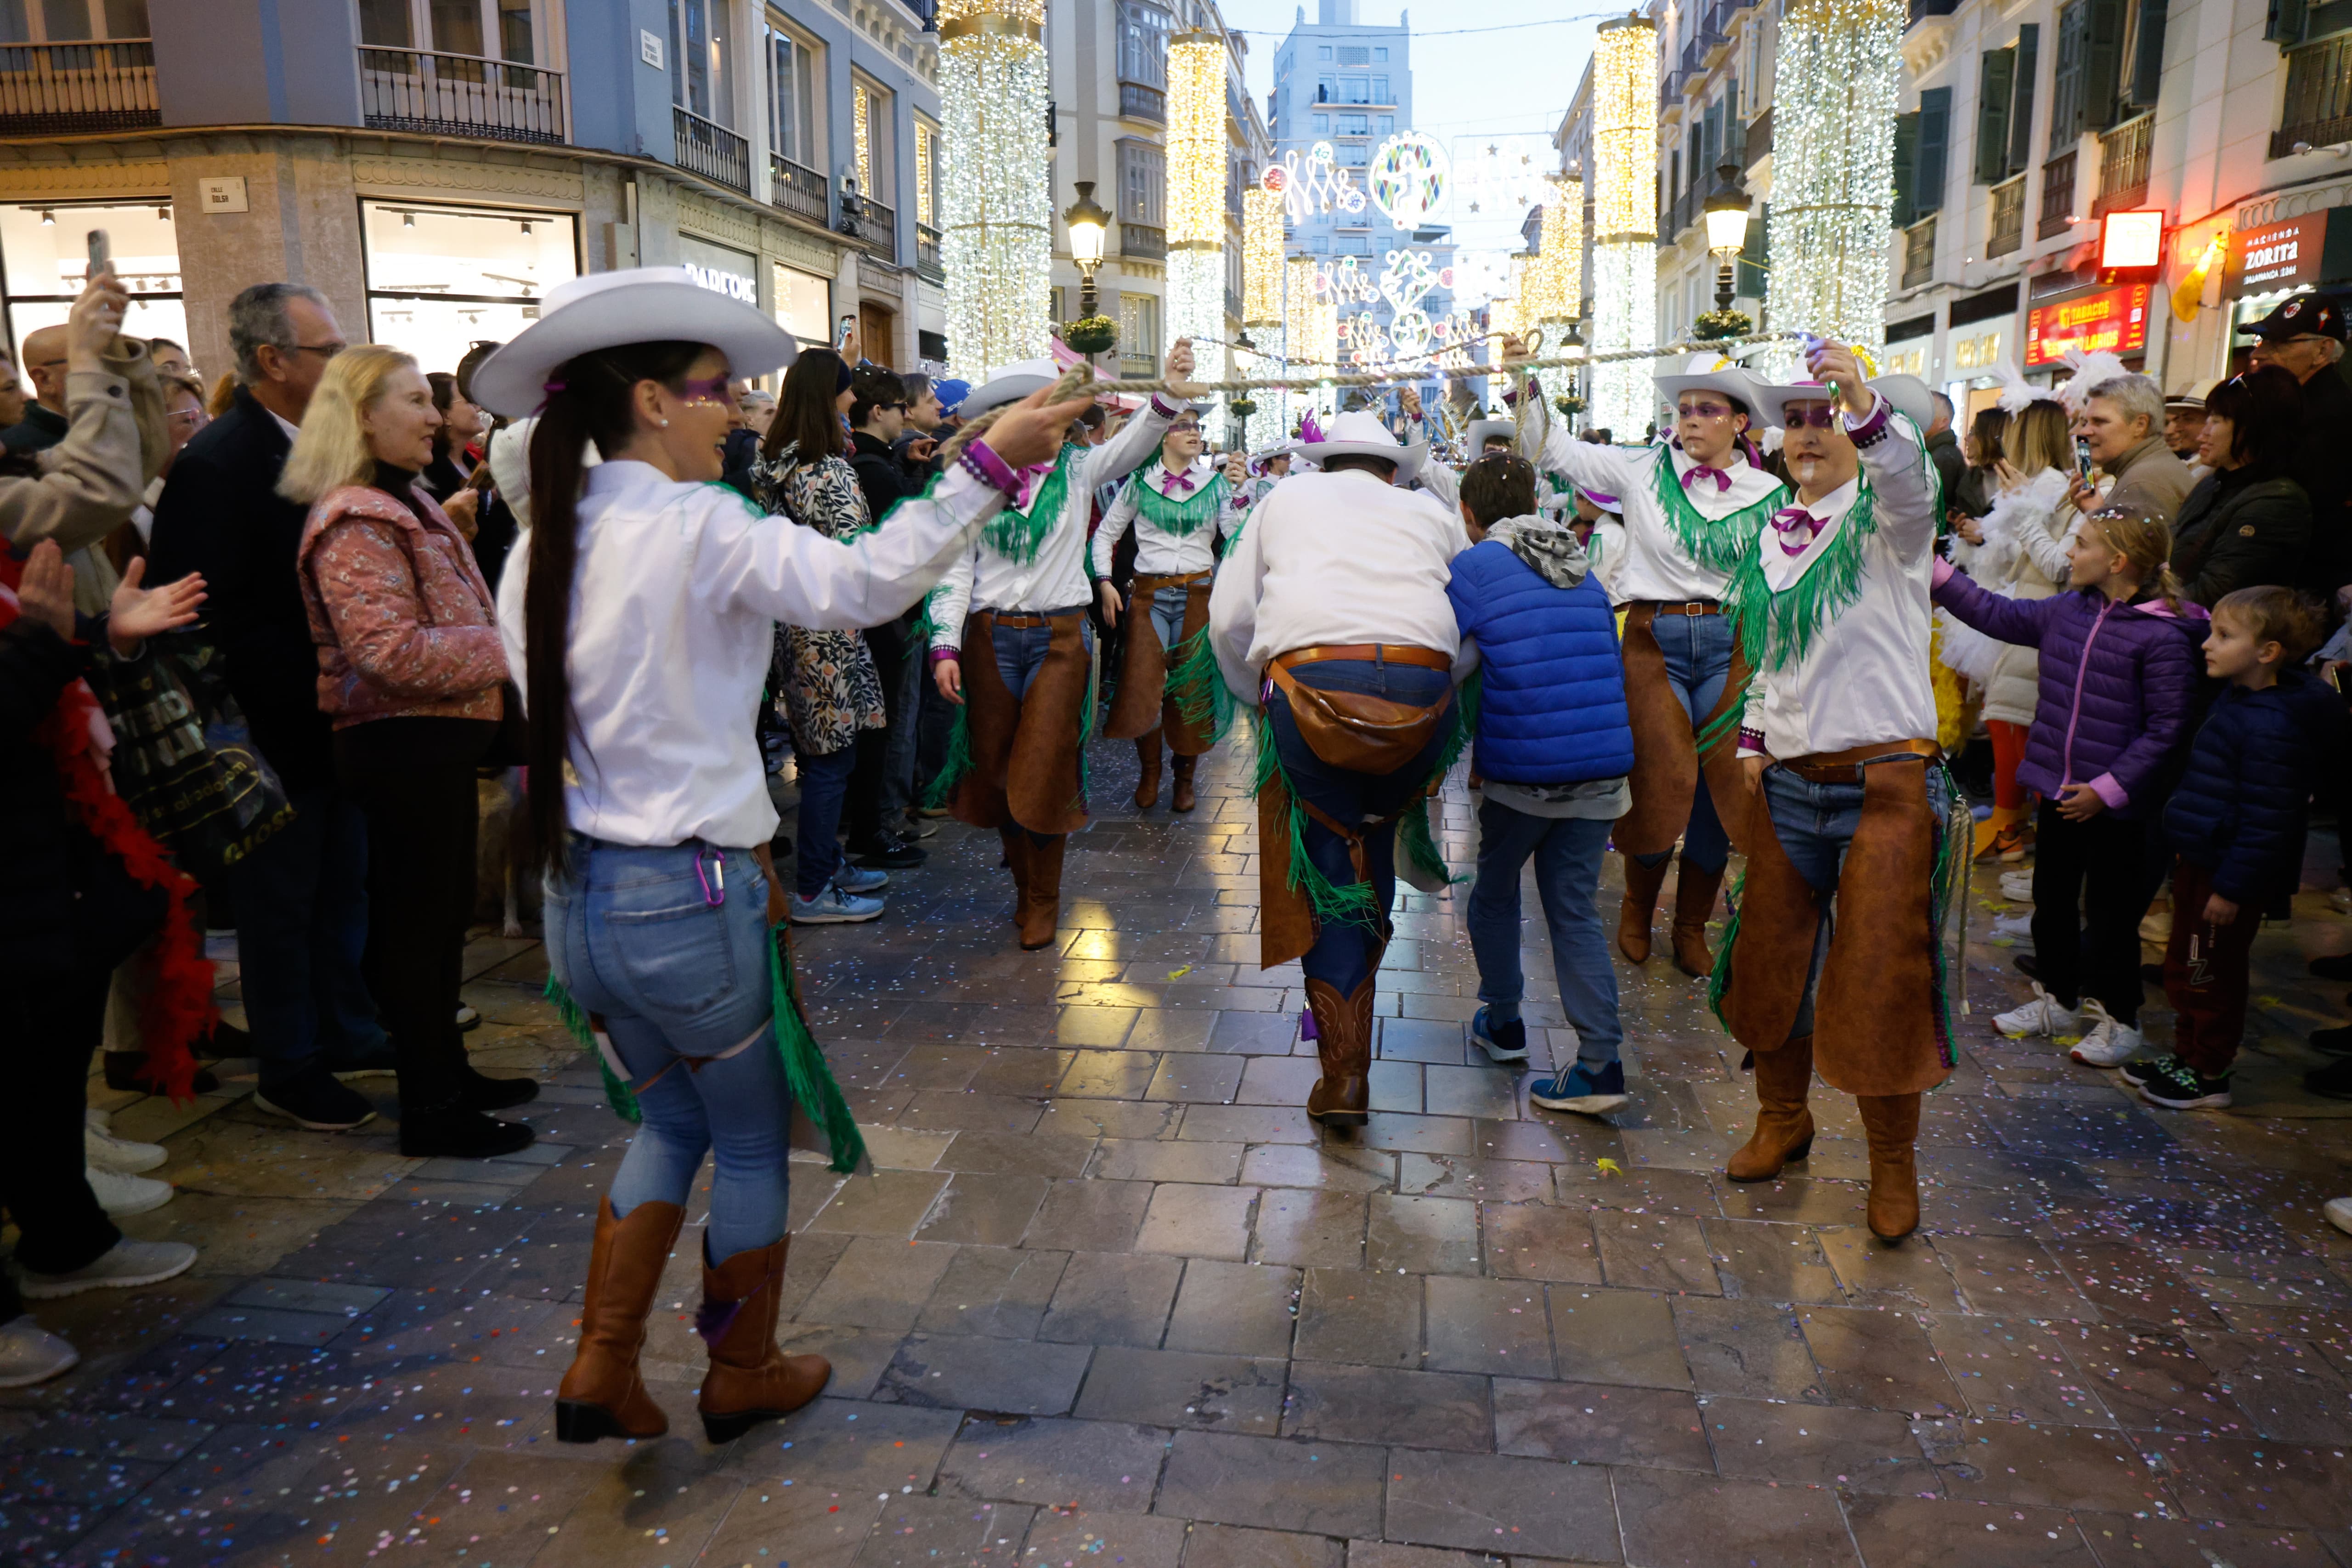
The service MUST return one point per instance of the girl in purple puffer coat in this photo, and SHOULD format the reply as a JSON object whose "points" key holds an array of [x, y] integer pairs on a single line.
{"points": [[2118, 671]]}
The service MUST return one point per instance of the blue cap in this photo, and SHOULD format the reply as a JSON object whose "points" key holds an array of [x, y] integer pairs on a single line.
{"points": [[950, 394]]}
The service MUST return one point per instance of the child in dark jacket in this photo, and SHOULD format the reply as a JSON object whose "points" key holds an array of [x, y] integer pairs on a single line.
{"points": [[1554, 748], [2116, 681], [2236, 822]]}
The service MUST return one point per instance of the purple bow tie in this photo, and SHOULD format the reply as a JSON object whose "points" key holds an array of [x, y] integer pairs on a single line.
{"points": [[1184, 482], [1797, 527], [1031, 477], [1701, 472]]}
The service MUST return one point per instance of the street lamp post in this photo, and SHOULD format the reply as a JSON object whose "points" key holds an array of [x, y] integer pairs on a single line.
{"points": [[1727, 229], [1088, 224]]}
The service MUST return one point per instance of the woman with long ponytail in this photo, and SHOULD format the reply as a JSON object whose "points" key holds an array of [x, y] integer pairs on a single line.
{"points": [[640, 615]]}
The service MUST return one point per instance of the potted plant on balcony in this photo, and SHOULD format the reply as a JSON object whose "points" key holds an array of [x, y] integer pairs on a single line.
{"points": [[1722, 323], [1090, 335]]}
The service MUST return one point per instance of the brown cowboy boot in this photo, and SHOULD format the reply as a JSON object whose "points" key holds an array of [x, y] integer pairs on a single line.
{"points": [[1147, 784], [601, 1394], [1892, 1123], [1694, 892], [1183, 799], [1016, 857], [1041, 911], [1784, 1127], [750, 1381], [1342, 1097], [1642, 885]]}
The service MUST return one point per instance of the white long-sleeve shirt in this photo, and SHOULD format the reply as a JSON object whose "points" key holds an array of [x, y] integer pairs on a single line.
{"points": [[1158, 552], [675, 603], [1335, 558], [984, 578], [1862, 677]]}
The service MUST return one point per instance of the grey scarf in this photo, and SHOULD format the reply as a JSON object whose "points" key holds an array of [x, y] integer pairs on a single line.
{"points": [[1553, 551]]}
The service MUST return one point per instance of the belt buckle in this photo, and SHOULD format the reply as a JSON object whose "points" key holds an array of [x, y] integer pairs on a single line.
{"points": [[1693, 609]]}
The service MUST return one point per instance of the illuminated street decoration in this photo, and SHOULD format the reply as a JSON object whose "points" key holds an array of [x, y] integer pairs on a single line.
{"points": [[1315, 184], [1625, 214], [1499, 175], [1409, 179], [1196, 195], [1833, 167], [997, 191]]}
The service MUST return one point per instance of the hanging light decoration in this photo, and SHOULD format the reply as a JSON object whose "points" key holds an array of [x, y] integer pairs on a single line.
{"points": [[1196, 196], [1554, 282], [996, 205], [1312, 330], [1624, 215], [1833, 168], [1262, 313]]}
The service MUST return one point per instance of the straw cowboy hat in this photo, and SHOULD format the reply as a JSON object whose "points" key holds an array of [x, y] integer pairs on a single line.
{"points": [[1707, 371], [1480, 429], [606, 309], [1908, 394], [1360, 433]]}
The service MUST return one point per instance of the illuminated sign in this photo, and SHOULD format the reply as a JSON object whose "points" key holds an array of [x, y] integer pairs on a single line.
{"points": [[719, 280], [2114, 319], [2276, 257], [2131, 241]]}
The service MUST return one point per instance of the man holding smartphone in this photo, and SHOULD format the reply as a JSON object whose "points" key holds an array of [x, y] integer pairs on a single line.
{"points": [[2119, 429]]}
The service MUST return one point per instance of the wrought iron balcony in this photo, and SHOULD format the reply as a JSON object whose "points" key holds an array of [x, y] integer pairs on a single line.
{"points": [[1920, 253], [2318, 106], [2008, 230], [711, 150], [2123, 165], [1143, 241], [927, 252], [460, 95], [54, 90], [1138, 101], [2057, 196], [1758, 143], [877, 226], [799, 191]]}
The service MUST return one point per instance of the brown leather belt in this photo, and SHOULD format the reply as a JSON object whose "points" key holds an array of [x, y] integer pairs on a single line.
{"points": [[1024, 621], [1845, 767], [1367, 653], [1153, 584], [1685, 607]]}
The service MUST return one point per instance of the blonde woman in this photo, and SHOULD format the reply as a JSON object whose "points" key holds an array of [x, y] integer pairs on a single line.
{"points": [[411, 672]]}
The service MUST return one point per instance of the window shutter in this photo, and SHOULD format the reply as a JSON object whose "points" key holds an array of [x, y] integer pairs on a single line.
{"points": [[1935, 146], [1906, 167], [2284, 25], [1749, 282], [2021, 107], [2102, 77], [2147, 57], [1995, 74], [2066, 108]]}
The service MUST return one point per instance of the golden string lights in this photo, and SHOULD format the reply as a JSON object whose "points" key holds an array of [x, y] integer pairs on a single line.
{"points": [[996, 195], [1262, 314], [1833, 165], [1624, 215], [1196, 186]]}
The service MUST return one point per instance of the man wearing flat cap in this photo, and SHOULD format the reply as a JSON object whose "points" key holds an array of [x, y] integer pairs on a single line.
{"points": [[2305, 336]]}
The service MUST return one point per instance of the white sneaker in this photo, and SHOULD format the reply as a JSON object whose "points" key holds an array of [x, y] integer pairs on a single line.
{"points": [[834, 907], [2014, 926], [102, 1149], [29, 1353], [2339, 1213], [2109, 1043], [2017, 887], [2041, 1015], [119, 1194], [126, 1263]]}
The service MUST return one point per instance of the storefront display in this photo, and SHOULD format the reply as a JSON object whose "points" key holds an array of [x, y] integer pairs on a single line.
{"points": [[804, 305], [440, 279], [2113, 320], [722, 269], [45, 258]]}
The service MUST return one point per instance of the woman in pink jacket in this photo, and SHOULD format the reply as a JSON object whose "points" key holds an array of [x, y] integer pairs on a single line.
{"points": [[411, 671]]}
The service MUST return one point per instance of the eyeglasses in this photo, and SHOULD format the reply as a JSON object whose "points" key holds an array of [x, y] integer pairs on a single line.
{"points": [[1192, 429], [1706, 411], [324, 351], [195, 418], [1819, 415]]}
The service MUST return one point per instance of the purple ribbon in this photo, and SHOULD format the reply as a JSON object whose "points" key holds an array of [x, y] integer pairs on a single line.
{"points": [[1701, 472], [1309, 430], [1797, 527], [1176, 481]]}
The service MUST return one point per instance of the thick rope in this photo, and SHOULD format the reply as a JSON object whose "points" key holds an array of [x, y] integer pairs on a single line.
{"points": [[1395, 375]]}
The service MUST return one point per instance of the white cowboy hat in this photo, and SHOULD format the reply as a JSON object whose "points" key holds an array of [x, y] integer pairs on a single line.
{"points": [[1010, 385], [1908, 394], [1480, 429], [1361, 434], [638, 305], [1711, 371]]}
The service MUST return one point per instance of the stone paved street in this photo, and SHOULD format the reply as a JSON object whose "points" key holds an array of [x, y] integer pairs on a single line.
{"points": [[1111, 1299]]}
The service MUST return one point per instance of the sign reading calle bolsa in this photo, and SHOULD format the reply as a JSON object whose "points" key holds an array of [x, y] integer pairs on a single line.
{"points": [[2114, 319], [2274, 258]]}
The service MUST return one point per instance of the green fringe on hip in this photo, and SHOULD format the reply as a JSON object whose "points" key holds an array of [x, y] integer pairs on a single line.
{"points": [[957, 762], [617, 1094], [1199, 688], [1719, 981]]}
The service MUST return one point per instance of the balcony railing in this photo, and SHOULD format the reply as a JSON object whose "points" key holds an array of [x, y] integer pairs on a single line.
{"points": [[877, 226], [799, 191], [2008, 232], [1233, 306], [1680, 213], [1922, 8], [1758, 140], [712, 151], [1920, 253], [2318, 109], [927, 252], [1143, 241], [49, 89], [2123, 165], [460, 95], [2057, 196], [1139, 102]]}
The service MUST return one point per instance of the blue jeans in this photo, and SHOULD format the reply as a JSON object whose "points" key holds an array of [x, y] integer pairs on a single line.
{"points": [[905, 725], [1167, 609], [679, 980], [1699, 662], [825, 781], [302, 932], [1567, 852], [1021, 650], [1815, 824], [1344, 952]]}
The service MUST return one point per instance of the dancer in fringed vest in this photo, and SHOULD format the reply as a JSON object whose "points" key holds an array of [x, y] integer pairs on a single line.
{"points": [[1012, 646], [1329, 621], [1835, 959], [1691, 510], [1177, 506]]}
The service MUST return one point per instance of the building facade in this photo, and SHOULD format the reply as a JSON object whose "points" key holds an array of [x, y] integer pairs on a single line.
{"points": [[1715, 107], [433, 165]]}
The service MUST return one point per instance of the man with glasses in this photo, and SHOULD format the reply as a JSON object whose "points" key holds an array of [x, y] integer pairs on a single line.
{"points": [[2305, 337], [1835, 960], [1693, 510]]}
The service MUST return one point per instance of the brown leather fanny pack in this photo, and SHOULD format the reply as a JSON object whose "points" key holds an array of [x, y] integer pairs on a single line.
{"points": [[1354, 729]]}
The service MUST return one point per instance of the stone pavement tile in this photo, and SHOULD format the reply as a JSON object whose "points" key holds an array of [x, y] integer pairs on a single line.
{"points": [[1248, 1124], [1279, 1080], [1584, 1183], [1592, 1423], [1539, 1241], [1769, 1261], [2013, 1277], [1197, 1221], [1320, 1488], [1495, 1326], [1396, 1085], [1494, 1181], [1017, 1377], [2038, 1465], [858, 1447], [239, 1153], [1090, 1215], [1389, 1555], [807, 1261], [57, 1498], [1112, 1299], [1387, 1405], [1339, 1167], [1104, 1027], [2130, 1284], [859, 1356], [966, 1110], [987, 1210], [1109, 1074], [1490, 1503], [1485, 1091], [2288, 1390], [238, 1235], [1014, 1069], [998, 1291], [418, 1245], [1238, 1308], [1069, 1535], [1011, 1155], [1109, 1118], [1246, 1034], [1926, 1532], [1166, 1160], [2275, 1484], [1159, 1029], [2153, 1381], [1348, 1315], [888, 1202], [1310, 1229], [1099, 1466], [662, 1510], [1876, 1275], [878, 1284], [1752, 1348], [1878, 1358], [1616, 1337], [1819, 1445], [1223, 1546], [937, 1067], [1417, 1134], [1558, 1138], [1184, 1388], [1191, 1076], [1797, 1199], [944, 1532], [2196, 1543], [410, 1326], [1654, 1252], [1421, 1236], [1699, 1522], [2009, 1369], [804, 1526]]}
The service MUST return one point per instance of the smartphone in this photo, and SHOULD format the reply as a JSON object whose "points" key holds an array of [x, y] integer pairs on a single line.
{"points": [[841, 337], [2082, 459], [101, 253]]}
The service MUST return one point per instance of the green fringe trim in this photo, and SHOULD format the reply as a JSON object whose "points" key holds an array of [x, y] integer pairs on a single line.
{"points": [[812, 1081], [1776, 631], [1720, 980], [1017, 535], [957, 763], [1087, 719], [1717, 544], [1199, 688], [1948, 890], [617, 1094], [1413, 838], [1179, 519]]}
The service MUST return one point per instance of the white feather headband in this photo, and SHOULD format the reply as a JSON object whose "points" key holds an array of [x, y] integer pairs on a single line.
{"points": [[2092, 371], [2017, 394]]}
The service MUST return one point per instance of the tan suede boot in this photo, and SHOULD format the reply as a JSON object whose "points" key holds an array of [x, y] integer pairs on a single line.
{"points": [[749, 1380], [601, 1394], [1784, 1126], [1694, 892], [1891, 1121], [1342, 1097], [1183, 799], [1147, 784], [1016, 857], [1041, 912], [1642, 885]]}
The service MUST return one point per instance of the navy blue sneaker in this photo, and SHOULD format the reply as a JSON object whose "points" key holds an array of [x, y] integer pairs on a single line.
{"points": [[1593, 1090], [1502, 1042]]}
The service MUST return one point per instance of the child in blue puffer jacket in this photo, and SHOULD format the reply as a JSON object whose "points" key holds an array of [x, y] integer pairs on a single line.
{"points": [[1554, 748], [2236, 822]]}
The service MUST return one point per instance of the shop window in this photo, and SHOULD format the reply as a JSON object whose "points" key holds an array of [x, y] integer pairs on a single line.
{"points": [[1138, 327], [71, 21], [1143, 32], [440, 279], [702, 50], [870, 155], [794, 103], [44, 260], [927, 173]]}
